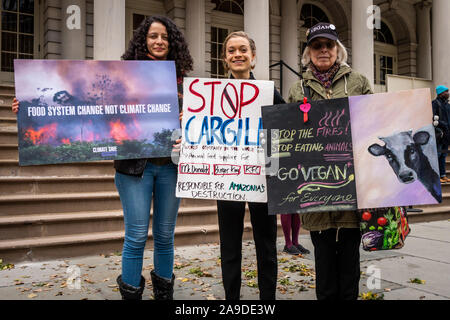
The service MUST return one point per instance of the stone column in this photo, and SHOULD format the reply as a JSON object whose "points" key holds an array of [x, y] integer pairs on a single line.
{"points": [[441, 45], [109, 29], [424, 66], [289, 43], [196, 35], [256, 24], [73, 29], [362, 39]]}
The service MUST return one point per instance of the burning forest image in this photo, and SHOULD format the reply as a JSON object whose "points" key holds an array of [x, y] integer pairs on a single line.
{"points": [[76, 111]]}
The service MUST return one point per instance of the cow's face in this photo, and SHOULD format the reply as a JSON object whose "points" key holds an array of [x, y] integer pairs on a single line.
{"points": [[402, 151]]}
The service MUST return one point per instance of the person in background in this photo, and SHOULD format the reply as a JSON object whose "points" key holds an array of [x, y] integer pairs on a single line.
{"points": [[291, 227], [441, 108], [335, 235], [239, 54]]}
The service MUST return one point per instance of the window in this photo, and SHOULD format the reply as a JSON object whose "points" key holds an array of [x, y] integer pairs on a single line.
{"points": [[383, 34], [218, 36], [230, 6], [312, 15], [137, 20], [385, 54], [17, 32], [385, 66]]}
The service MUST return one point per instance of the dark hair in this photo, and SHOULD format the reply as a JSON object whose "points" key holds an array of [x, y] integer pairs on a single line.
{"points": [[178, 48]]}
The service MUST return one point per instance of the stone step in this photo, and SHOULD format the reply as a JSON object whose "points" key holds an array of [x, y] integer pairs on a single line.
{"points": [[445, 199], [9, 151], [6, 99], [58, 203], [431, 213], [7, 121], [7, 90], [44, 248], [48, 184], [43, 203], [10, 167], [71, 223], [8, 134]]}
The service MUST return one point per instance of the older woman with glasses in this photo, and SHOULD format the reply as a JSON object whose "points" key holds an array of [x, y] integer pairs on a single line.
{"points": [[335, 235]]}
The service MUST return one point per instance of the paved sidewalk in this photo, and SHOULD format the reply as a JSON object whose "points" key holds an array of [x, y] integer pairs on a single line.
{"points": [[425, 257]]}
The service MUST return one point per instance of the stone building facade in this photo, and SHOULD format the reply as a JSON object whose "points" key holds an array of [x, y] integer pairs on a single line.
{"points": [[407, 37]]}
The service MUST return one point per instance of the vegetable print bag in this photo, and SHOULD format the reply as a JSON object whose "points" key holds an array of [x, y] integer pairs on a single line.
{"points": [[383, 228]]}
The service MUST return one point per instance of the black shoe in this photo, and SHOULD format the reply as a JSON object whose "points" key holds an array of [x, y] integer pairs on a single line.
{"points": [[302, 249], [162, 288], [291, 250], [129, 292]]}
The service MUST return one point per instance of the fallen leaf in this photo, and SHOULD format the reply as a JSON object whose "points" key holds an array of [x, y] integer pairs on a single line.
{"points": [[417, 280], [31, 296], [59, 294]]}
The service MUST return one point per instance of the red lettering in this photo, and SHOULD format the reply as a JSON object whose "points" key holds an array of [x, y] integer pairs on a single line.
{"points": [[234, 106], [213, 83], [198, 95], [245, 103]]}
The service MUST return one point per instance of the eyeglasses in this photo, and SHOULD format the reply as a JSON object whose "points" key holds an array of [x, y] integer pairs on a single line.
{"points": [[317, 45]]}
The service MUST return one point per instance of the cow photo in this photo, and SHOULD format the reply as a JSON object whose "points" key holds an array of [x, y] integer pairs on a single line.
{"points": [[407, 155], [394, 146]]}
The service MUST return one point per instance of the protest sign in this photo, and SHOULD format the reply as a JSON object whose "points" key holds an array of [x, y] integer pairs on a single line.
{"points": [[316, 171], [221, 155], [360, 152], [76, 111]]}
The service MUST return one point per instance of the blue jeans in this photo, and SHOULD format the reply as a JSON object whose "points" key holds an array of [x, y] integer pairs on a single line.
{"points": [[136, 197]]}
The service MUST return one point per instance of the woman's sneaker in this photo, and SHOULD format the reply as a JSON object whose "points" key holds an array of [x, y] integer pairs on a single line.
{"points": [[302, 249], [291, 250]]}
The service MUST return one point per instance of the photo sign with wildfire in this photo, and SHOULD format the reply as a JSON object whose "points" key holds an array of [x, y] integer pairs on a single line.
{"points": [[221, 154], [369, 151], [78, 111]]}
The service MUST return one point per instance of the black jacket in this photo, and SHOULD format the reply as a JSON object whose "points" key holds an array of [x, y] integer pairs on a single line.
{"points": [[441, 109]]}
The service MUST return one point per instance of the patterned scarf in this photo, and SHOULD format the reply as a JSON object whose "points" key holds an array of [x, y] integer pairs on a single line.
{"points": [[326, 78]]}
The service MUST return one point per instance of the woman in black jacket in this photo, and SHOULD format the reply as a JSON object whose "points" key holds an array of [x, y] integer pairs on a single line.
{"points": [[239, 53], [140, 180]]}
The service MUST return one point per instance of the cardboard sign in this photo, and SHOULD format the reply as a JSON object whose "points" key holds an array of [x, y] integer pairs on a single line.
{"points": [[360, 152], [221, 156], [77, 111], [316, 171]]}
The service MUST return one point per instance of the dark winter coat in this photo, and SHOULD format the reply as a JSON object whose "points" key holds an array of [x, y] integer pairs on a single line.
{"points": [[345, 83], [441, 109]]}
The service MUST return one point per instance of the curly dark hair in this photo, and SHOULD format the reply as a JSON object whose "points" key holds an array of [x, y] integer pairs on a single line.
{"points": [[178, 48]]}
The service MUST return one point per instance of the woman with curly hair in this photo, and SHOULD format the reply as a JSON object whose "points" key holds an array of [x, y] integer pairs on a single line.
{"points": [[140, 180]]}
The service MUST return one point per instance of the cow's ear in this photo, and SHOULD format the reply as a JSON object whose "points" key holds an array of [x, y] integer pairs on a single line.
{"points": [[421, 137], [376, 150]]}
